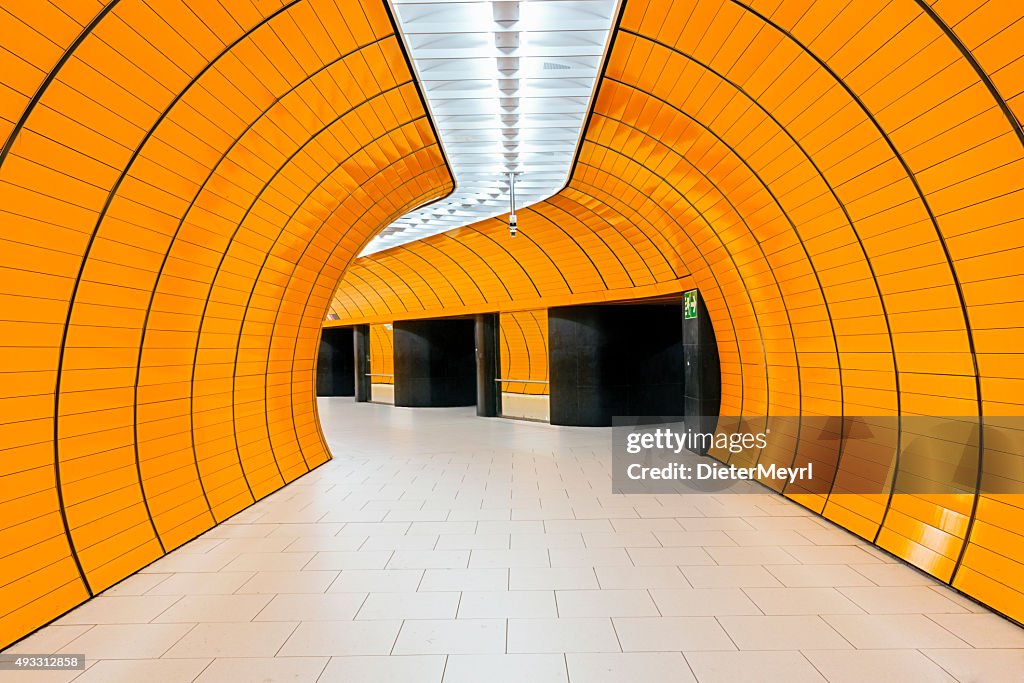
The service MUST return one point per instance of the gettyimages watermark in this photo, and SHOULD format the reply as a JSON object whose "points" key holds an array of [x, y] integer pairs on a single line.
{"points": [[865, 455]]}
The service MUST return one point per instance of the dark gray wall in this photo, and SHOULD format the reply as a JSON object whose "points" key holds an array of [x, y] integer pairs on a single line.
{"points": [[361, 361], [608, 360], [703, 383], [335, 368], [488, 398], [435, 364]]}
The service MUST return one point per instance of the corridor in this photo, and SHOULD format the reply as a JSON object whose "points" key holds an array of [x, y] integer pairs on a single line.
{"points": [[439, 546]]}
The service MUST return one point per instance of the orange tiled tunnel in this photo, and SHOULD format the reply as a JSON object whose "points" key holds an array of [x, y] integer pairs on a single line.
{"points": [[182, 192], [846, 191]]}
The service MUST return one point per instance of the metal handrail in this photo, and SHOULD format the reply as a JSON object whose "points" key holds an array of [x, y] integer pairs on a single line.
{"points": [[377, 374], [524, 381]]}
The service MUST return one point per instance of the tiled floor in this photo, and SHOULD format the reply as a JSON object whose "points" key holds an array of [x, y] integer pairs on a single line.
{"points": [[441, 546]]}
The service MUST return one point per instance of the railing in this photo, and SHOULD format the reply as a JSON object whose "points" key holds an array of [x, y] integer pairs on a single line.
{"points": [[524, 381], [377, 374]]}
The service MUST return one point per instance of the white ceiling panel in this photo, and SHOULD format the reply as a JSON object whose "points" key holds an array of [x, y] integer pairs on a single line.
{"points": [[508, 84]]}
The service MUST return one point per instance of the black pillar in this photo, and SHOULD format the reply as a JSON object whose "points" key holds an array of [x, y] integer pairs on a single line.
{"points": [[334, 367], [435, 364], [488, 398], [703, 377], [361, 354], [609, 360]]}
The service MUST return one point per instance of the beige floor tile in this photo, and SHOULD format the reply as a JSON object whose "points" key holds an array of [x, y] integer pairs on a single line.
{"points": [[959, 598], [817, 575], [502, 668], [188, 583], [664, 667], [555, 578], [800, 524], [276, 561], [189, 562], [782, 633], [301, 530], [578, 526], [341, 638], [667, 634], [50, 639], [443, 528], [696, 602], [813, 600], [681, 539], [423, 605], [472, 579], [510, 527], [212, 608], [271, 544], [471, 541], [520, 557], [312, 607], [148, 670], [562, 635], [980, 666], [658, 525], [761, 537], [877, 666], [283, 669], [389, 542], [763, 667], [236, 639], [127, 609], [900, 600], [507, 604], [404, 669], [652, 557], [480, 515], [432, 515], [605, 603], [205, 545], [640, 577], [349, 559], [329, 543], [128, 641], [589, 557], [831, 536], [429, 559], [366, 529], [627, 539], [451, 636], [241, 526], [830, 554], [729, 576], [760, 555], [713, 523], [892, 631], [893, 575], [136, 584], [982, 630], [520, 541], [289, 582], [383, 580]]}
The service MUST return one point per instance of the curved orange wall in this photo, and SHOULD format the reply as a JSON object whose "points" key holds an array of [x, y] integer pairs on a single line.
{"points": [[847, 193], [179, 196]]}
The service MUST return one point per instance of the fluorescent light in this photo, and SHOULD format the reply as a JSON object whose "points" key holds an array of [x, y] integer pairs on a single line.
{"points": [[508, 84]]}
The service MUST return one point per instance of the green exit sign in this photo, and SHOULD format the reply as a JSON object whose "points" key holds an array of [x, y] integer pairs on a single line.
{"points": [[690, 304]]}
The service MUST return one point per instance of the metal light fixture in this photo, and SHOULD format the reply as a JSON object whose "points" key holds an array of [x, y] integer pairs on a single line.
{"points": [[512, 204]]}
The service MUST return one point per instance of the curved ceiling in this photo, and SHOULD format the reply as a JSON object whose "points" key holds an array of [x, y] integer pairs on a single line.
{"points": [[846, 190]]}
